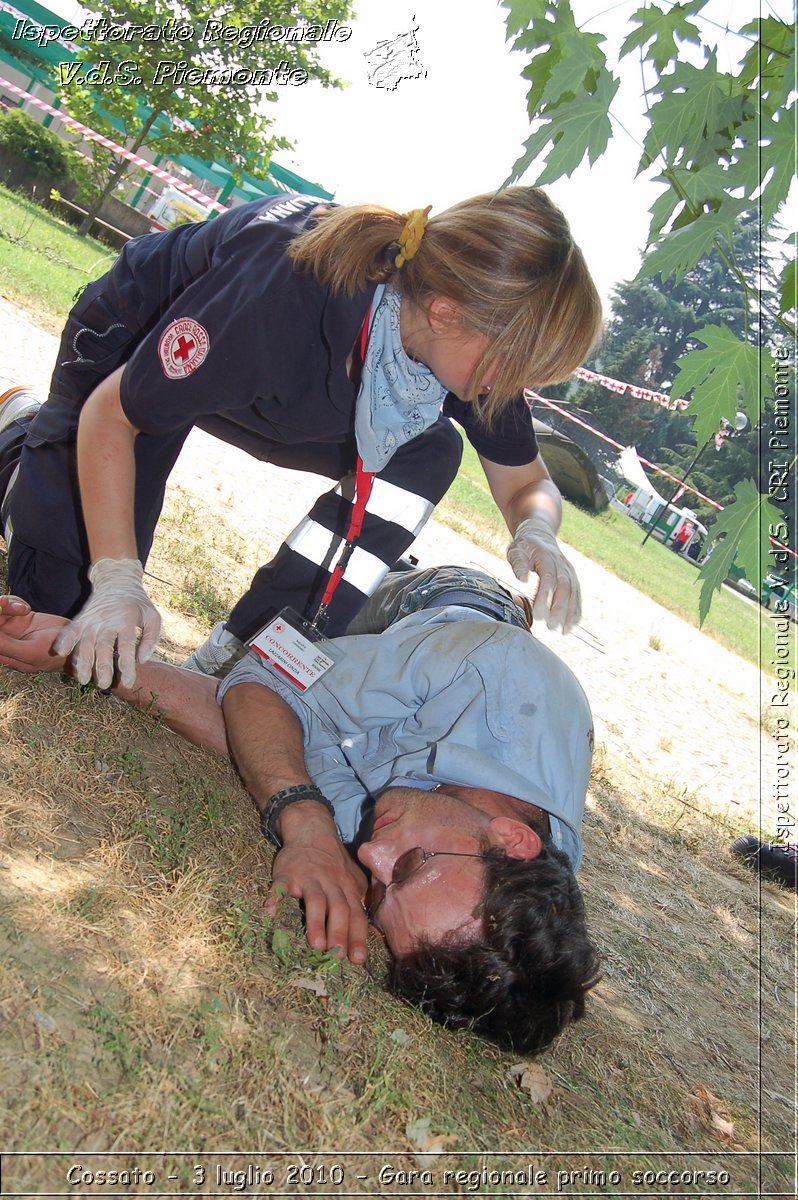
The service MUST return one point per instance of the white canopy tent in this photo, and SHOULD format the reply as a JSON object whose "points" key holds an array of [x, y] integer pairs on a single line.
{"points": [[633, 471]]}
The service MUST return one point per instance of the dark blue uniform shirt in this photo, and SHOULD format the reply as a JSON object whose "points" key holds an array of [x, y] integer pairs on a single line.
{"points": [[269, 348]]}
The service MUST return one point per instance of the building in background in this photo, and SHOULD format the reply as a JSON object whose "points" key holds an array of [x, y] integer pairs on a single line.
{"points": [[33, 68]]}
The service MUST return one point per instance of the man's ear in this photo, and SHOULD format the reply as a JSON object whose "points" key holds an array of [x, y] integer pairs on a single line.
{"points": [[444, 315], [515, 838]]}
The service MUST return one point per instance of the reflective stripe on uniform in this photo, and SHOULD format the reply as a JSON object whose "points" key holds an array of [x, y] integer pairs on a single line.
{"points": [[6, 520], [397, 505], [310, 539], [364, 571]]}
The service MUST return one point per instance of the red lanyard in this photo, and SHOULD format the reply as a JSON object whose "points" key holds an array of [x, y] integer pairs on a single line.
{"points": [[364, 481]]}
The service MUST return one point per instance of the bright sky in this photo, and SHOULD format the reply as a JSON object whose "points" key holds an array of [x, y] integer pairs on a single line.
{"points": [[450, 135], [458, 130]]}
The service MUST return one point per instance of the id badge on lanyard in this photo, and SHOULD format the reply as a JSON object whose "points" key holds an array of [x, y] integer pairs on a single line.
{"points": [[293, 647]]}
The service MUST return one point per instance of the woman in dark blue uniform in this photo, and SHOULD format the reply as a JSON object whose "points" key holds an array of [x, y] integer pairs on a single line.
{"points": [[318, 339]]}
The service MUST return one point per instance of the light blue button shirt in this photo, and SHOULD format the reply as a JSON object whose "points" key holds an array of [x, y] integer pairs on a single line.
{"points": [[444, 696]]}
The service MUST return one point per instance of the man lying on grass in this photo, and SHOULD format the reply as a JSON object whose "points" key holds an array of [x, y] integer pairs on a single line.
{"points": [[451, 750]]}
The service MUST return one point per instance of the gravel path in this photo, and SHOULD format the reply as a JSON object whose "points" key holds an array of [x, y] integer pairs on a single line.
{"points": [[687, 714]]}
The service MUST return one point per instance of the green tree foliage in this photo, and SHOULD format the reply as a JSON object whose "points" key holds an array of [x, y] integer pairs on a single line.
{"points": [[723, 143], [48, 156], [191, 79], [650, 326]]}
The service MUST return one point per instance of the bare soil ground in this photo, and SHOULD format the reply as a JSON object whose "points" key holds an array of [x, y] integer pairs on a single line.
{"points": [[148, 1005]]}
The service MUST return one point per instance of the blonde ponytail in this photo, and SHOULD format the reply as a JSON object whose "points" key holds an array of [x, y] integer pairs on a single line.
{"points": [[350, 247]]}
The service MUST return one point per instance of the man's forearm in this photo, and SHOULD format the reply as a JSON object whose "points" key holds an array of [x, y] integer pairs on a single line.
{"points": [[265, 739], [267, 744], [313, 866], [185, 700]]}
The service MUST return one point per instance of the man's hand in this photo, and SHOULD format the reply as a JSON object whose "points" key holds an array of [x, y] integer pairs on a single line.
{"points": [[313, 865], [317, 870], [26, 637]]}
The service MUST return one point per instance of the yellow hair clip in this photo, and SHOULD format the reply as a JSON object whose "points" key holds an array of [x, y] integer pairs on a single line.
{"points": [[410, 237]]}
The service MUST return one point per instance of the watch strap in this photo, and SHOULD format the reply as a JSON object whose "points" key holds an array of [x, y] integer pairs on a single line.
{"points": [[281, 800]]}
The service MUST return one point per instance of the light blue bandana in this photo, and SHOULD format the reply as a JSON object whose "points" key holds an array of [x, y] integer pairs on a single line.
{"points": [[398, 398]]}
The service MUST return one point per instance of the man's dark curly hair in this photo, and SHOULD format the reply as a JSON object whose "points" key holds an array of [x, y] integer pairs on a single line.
{"points": [[526, 977]]}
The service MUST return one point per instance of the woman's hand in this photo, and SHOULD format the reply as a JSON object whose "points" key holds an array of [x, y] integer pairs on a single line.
{"points": [[118, 605], [531, 505], [107, 623], [535, 548]]}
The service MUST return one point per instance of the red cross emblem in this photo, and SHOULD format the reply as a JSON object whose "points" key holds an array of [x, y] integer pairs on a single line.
{"points": [[183, 347]]}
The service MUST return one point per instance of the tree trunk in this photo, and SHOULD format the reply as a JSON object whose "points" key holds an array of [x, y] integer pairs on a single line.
{"points": [[119, 171]]}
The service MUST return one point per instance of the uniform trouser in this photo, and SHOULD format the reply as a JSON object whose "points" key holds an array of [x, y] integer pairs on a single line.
{"points": [[402, 499], [50, 571]]}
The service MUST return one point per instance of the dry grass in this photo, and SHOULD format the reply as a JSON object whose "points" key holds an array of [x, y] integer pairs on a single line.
{"points": [[148, 1005]]}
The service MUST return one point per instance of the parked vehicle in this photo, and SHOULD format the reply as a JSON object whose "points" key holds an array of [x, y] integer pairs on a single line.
{"points": [[174, 207]]}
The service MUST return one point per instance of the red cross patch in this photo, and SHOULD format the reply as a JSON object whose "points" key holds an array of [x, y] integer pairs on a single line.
{"points": [[183, 347]]}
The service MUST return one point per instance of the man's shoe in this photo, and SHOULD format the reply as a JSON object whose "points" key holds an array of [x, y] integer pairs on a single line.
{"points": [[17, 403], [773, 860], [218, 655]]}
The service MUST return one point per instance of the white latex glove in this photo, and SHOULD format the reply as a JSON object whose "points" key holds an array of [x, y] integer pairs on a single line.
{"points": [[535, 548], [117, 607]]}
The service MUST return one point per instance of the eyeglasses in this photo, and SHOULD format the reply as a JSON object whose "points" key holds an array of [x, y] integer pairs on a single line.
{"points": [[410, 863]]}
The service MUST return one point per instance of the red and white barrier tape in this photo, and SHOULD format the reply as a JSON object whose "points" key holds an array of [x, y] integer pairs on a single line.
{"points": [[92, 135]]}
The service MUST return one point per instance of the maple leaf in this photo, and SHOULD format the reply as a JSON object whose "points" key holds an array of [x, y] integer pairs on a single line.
{"points": [[575, 128], [695, 188], [780, 154], [701, 186], [758, 143], [662, 28], [580, 54], [713, 375], [767, 65], [681, 249], [698, 100], [521, 14], [539, 72], [531, 1078], [742, 531]]}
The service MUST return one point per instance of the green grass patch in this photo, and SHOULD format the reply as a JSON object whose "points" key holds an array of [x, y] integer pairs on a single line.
{"points": [[614, 541], [43, 261]]}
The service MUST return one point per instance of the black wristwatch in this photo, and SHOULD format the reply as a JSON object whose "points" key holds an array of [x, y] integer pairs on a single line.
{"points": [[281, 800]]}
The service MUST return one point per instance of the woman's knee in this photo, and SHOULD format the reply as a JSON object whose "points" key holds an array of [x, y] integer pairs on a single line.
{"points": [[49, 584], [429, 463]]}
